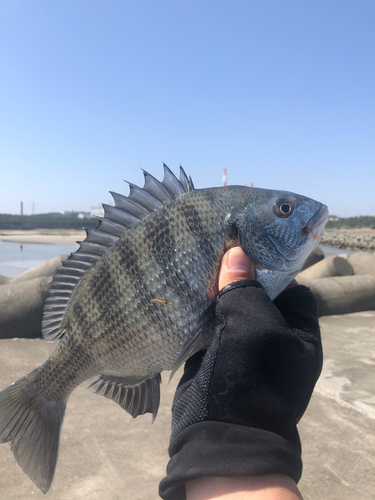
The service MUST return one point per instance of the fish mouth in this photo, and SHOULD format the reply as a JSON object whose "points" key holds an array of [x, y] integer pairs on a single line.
{"points": [[315, 225]]}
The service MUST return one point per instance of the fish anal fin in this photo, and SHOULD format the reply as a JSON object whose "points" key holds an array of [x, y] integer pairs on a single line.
{"points": [[136, 399], [199, 338]]}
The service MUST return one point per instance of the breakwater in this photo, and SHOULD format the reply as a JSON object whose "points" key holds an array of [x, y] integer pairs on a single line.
{"points": [[341, 284], [351, 239]]}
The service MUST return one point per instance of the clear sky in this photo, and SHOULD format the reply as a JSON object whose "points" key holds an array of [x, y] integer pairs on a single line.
{"points": [[279, 92]]}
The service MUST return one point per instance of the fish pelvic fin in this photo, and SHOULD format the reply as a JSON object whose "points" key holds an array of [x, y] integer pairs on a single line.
{"points": [[136, 399], [31, 423], [199, 339]]}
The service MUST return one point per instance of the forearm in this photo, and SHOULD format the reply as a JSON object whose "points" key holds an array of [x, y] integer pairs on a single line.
{"points": [[270, 487]]}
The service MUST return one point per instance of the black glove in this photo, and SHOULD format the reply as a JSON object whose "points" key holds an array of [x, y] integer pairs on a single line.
{"points": [[237, 405]]}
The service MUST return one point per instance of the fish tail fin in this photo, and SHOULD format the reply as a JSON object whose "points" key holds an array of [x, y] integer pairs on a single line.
{"points": [[32, 423]]}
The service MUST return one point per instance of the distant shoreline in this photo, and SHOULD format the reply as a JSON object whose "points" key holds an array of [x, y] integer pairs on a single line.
{"points": [[52, 236], [351, 239]]}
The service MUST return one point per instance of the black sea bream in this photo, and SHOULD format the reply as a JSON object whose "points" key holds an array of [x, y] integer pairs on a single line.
{"points": [[137, 298]]}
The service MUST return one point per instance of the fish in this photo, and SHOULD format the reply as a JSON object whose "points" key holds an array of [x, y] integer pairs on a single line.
{"points": [[138, 298]]}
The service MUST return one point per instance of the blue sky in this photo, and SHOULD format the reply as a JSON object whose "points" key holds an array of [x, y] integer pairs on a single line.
{"points": [[281, 93]]}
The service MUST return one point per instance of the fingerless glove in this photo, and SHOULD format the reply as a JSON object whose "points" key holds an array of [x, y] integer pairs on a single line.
{"points": [[236, 408]]}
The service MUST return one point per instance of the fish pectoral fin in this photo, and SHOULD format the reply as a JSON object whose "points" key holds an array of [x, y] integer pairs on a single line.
{"points": [[136, 399], [199, 338]]}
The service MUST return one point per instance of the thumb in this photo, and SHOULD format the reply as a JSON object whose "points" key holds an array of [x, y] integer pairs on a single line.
{"points": [[235, 266]]}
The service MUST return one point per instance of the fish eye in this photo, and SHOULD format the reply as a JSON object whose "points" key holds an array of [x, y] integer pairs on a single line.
{"points": [[283, 208]]}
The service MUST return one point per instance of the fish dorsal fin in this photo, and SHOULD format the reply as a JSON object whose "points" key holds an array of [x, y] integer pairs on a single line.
{"points": [[125, 214], [136, 399]]}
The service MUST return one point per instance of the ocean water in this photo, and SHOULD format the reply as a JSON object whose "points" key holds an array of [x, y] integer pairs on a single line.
{"points": [[334, 251], [15, 258]]}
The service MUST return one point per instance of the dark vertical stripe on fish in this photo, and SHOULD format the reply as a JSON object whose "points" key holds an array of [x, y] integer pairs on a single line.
{"points": [[80, 317], [129, 260], [160, 237], [196, 226], [104, 290], [160, 234], [193, 219]]}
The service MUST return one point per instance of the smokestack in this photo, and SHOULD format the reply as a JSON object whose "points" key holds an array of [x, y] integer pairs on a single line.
{"points": [[224, 177], [21, 207]]}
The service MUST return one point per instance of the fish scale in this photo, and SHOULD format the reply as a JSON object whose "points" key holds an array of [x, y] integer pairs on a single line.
{"points": [[138, 297]]}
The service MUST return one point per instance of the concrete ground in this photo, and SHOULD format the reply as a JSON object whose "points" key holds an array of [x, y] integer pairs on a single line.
{"points": [[105, 455]]}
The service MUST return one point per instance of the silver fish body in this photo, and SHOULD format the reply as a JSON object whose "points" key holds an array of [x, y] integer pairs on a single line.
{"points": [[137, 298]]}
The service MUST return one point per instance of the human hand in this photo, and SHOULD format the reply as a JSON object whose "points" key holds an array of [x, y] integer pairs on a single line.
{"points": [[238, 403], [237, 266]]}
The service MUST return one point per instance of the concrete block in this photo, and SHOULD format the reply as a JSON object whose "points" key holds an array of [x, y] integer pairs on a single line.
{"points": [[330, 266], [344, 294], [344, 256], [21, 307], [362, 263], [47, 268]]}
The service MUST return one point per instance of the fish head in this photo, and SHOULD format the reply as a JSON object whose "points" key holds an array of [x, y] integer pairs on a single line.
{"points": [[279, 229]]}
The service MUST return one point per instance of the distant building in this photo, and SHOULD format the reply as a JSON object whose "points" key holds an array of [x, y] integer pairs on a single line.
{"points": [[333, 217], [67, 213], [97, 212]]}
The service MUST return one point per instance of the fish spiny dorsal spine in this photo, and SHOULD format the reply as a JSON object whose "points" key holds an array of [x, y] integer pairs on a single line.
{"points": [[125, 214]]}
